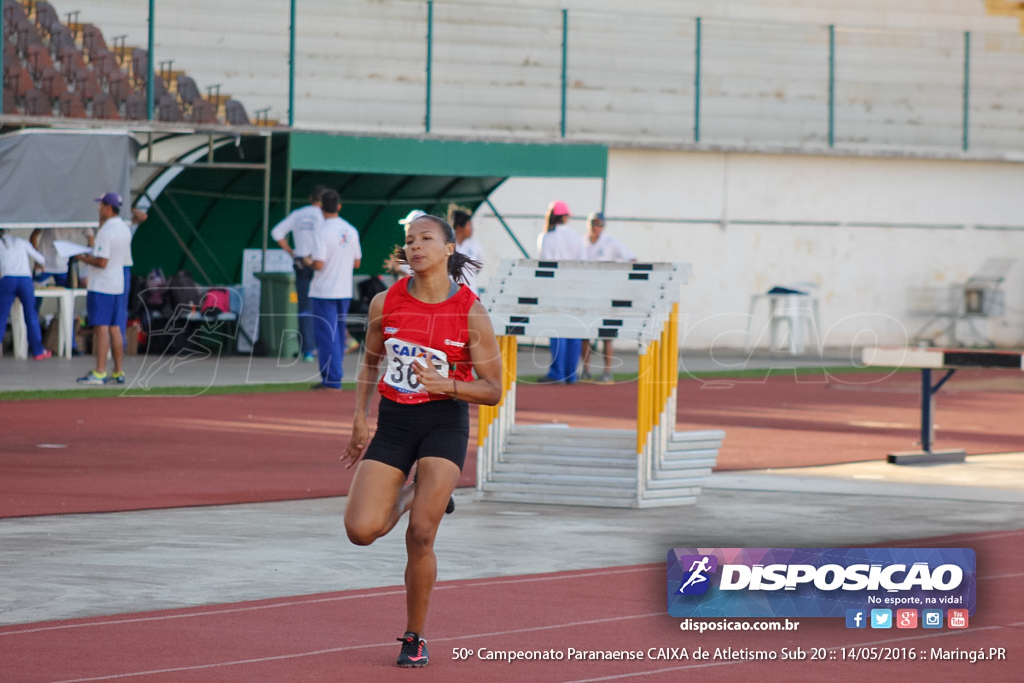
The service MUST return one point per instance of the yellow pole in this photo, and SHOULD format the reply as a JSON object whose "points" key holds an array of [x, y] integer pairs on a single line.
{"points": [[652, 406], [508, 361], [666, 362], [673, 331], [487, 414], [662, 367], [483, 423]]}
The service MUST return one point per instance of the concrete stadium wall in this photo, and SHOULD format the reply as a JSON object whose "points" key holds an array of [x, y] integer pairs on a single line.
{"points": [[496, 70], [864, 230]]}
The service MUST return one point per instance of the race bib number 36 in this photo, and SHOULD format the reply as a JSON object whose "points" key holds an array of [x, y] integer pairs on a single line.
{"points": [[401, 357]]}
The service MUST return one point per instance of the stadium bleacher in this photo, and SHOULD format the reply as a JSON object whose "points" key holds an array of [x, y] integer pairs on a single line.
{"points": [[70, 70]]}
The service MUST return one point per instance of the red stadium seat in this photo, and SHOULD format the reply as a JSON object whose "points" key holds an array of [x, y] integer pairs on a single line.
{"points": [[10, 54], [60, 38], [104, 107], [26, 34], [52, 83], [235, 114], [118, 86], [188, 94], [86, 84], [159, 88], [104, 63], [10, 106], [92, 40], [18, 80], [140, 67], [135, 107], [70, 106], [203, 112], [71, 60], [38, 59], [13, 13], [37, 103], [168, 109], [46, 16]]}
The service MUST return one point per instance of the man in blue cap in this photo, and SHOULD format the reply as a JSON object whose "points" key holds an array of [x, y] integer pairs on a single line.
{"points": [[106, 285]]}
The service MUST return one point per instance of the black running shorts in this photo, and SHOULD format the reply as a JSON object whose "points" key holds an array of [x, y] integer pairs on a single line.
{"points": [[406, 433]]}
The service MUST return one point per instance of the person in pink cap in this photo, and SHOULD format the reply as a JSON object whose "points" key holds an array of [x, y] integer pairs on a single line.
{"points": [[559, 243]]}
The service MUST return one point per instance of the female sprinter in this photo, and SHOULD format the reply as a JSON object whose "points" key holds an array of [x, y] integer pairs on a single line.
{"points": [[433, 334]]}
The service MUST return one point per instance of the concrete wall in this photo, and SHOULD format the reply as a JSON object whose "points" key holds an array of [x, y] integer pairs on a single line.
{"points": [[864, 230], [496, 70]]}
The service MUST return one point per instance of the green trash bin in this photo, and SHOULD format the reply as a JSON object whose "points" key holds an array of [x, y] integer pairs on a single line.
{"points": [[279, 314]]}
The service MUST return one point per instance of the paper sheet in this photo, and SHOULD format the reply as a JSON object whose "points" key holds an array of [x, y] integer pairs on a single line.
{"points": [[68, 249]]}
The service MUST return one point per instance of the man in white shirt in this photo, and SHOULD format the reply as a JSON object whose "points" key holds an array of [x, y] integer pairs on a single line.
{"points": [[16, 257], [462, 222], [336, 253], [106, 284], [600, 246], [302, 224]]}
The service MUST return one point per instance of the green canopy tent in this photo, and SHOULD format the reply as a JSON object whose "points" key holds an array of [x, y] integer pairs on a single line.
{"points": [[202, 215]]}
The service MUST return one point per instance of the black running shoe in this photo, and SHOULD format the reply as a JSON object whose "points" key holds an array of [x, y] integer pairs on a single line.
{"points": [[414, 651]]}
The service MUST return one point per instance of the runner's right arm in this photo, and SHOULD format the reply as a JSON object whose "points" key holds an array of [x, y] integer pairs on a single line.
{"points": [[366, 381]]}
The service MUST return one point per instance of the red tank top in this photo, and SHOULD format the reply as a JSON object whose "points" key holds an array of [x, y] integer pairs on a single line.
{"points": [[414, 330]]}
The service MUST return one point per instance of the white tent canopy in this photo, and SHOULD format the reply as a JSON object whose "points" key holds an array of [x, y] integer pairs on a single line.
{"points": [[49, 178]]}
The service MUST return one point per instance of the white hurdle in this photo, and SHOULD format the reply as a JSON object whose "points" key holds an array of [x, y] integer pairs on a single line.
{"points": [[651, 466]]}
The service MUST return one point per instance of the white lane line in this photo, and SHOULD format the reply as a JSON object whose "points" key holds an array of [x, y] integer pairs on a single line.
{"points": [[314, 653]]}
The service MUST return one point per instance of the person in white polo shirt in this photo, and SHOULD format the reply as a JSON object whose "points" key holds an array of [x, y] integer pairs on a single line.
{"points": [[462, 220], [16, 257], [58, 268], [392, 265], [106, 284], [302, 224], [336, 253], [600, 246]]}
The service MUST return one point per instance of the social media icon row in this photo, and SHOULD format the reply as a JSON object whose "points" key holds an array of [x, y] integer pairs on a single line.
{"points": [[905, 618]]}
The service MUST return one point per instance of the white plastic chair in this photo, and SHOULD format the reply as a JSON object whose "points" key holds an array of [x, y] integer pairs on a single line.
{"points": [[797, 312]]}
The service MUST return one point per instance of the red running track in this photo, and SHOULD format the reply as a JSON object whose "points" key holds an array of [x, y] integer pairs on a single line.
{"points": [[114, 454], [349, 636]]}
